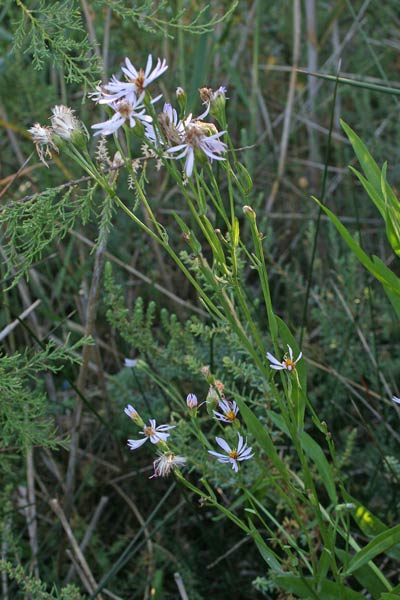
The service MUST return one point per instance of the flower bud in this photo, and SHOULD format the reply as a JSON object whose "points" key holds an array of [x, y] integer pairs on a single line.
{"points": [[182, 99], [191, 401], [134, 415]]}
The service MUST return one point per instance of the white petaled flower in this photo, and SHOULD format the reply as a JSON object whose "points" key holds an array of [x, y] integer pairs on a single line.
{"points": [[191, 401], [396, 399], [42, 137], [124, 112], [199, 137], [136, 82], [228, 409], [172, 128], [165, 463], [142, 78], [287, 363], [65, 124], [153, 433], [233, 455]]}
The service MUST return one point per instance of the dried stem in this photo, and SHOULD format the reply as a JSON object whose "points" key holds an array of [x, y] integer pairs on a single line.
{"points": [[289, 103], [81, 560]]}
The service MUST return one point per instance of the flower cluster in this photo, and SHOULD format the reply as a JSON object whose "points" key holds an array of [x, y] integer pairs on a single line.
{"points": [[130, 102]]}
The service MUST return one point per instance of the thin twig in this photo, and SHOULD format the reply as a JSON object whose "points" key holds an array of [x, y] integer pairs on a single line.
{"points": [[142, 522], [289, 104], [9, 328], [181, 586], [88, 533], [55, 506], [91, 314], [32, 524]]}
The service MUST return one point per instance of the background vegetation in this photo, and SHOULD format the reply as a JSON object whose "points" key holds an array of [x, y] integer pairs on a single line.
{"points": [[151, 539]]}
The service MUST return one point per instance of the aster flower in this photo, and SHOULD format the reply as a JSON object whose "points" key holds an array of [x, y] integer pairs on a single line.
{"points": [[287, 363], [153, 433], [228, 413], [166, 463], [135, 85], [66, 125], [396, 399], [191, 401], [203, 139], [173, 130], [42, 137], [233, 455], [124, 111], [142, 78]]}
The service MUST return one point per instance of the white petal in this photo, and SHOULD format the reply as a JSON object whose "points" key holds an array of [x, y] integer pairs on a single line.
{"points": [[290, 352], [218, 455], [234, 465], [273, 360], [165, 427], [133, 444], [189, 162], [246, 454], [396, 399], [149, 64], [159, 437], [223, 444]]}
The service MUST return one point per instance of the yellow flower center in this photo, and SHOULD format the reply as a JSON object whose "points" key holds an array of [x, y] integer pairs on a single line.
{"points": [[149, 431], [230, 415], [124, 109], [233, 454], [289, 364], [139, 81]]}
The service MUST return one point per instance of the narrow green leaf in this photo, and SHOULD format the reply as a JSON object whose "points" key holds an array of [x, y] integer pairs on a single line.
{"points": [[354, 246], [365, 576], [261, 434], [268, 555], [380, 544], [315, 453], [309, 589], [373, 193], [368, 164]]}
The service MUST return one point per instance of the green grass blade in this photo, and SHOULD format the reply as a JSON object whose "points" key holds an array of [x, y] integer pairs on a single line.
{"points": [[379, 545]]}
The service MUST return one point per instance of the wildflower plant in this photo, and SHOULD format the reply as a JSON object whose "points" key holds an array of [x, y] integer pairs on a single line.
{"points": [[302, 476]]}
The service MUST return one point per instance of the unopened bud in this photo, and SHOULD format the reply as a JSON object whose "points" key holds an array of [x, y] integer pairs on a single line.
{"points": [[182, 99], [191, 401], [249, 213]]}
